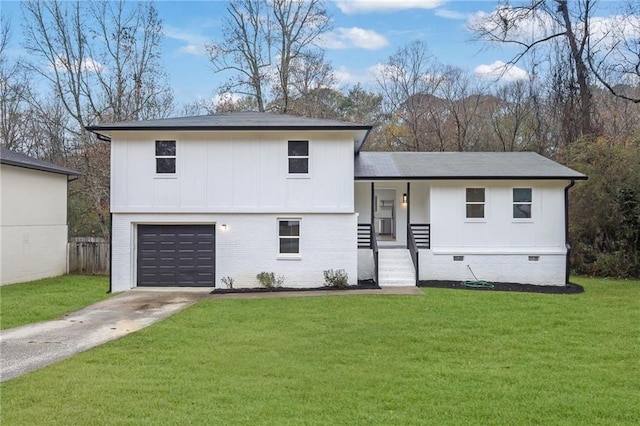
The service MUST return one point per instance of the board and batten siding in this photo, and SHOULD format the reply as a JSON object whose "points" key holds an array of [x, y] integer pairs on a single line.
{"points": [[33, 224], [232, 172], [498, 247]]}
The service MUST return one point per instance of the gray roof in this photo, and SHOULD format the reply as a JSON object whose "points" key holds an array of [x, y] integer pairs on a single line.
{"points": [[236, 121], [13, 158], [459, 165]]}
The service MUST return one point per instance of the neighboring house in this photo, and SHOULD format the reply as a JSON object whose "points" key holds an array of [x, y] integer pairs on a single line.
{"points": [[33, 218], [197, 199]]}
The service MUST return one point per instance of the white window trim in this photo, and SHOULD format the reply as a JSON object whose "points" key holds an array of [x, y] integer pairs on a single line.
{"points": [[173, 175], [513, 203], [289, 256], [484, 203], [308, 157]]}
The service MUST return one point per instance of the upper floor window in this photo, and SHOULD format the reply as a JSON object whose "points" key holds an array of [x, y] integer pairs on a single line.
{"points": [[522, 203], [298, 156], [165, 156], [475, 203], [289, 236]]}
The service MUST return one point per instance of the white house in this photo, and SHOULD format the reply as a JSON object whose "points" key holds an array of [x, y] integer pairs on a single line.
{"points": [[33, 218], [198, 199]]}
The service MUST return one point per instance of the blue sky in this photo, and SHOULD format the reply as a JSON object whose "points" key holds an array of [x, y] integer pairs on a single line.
{"points": [[361, 39], [366, 33]]}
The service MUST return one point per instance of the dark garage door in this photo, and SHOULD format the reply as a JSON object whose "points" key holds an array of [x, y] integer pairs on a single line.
{"points": [[176, 255]]}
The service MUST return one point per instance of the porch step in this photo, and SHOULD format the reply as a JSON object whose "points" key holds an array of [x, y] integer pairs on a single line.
{"points": [[395, 268]]}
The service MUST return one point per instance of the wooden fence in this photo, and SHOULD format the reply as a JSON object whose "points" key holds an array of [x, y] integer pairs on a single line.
{"points": [[88, 255]]}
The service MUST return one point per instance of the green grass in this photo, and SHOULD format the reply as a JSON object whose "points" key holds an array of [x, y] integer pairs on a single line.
{"points": [[448, 357], [49, 298]]}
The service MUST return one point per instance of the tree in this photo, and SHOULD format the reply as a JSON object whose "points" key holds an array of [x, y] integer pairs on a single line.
{"points": [[511, 117], [614, 56], [102, 63], [265, 43], [13, 86], [605, 210], [297, 26], [537, 25], [408, 82], [463, 99]]}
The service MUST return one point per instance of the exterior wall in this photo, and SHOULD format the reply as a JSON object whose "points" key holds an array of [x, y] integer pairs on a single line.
{"points": [[249, 245], [366, 266], [362, 202], [497, 247], [496, 267], [232, 172], [419, 200], [33, 219]]}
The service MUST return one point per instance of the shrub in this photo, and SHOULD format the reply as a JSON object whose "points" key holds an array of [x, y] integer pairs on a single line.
{"points": [[337, 278], [228, 281], [269, 280]]}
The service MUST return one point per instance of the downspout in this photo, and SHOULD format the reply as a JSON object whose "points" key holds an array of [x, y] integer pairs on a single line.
{"points": [[110, 252], [566, 230]]}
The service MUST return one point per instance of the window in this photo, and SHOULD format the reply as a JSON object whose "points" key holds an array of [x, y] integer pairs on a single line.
{"points": [[522, 203], [289, 236], [475, 203], [165, 157], [298, 155]]}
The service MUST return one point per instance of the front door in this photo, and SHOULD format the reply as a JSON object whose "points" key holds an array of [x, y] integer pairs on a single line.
{"points": [[385, 214]]}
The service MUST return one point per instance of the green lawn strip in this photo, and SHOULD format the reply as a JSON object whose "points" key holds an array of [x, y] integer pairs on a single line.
{"points": [[49, 298], [449, 357]]}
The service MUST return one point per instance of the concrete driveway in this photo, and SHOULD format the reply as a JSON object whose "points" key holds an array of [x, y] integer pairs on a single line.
{"points": [[27, 348]]}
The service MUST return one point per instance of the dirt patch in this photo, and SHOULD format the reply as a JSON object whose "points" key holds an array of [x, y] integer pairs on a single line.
{"points": [[570, 288], [362, 285]]}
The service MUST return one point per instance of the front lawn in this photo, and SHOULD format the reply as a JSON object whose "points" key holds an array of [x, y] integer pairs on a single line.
{"points": [[49, 298], [454, 357]]}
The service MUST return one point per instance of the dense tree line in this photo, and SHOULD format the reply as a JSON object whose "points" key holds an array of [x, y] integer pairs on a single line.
{"points": [[579, 103]]}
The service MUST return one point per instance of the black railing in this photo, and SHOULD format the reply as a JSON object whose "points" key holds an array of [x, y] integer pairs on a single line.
{"points": [[413, 250], [422, 234], [364, 235], [367, 240], [374, 247]]}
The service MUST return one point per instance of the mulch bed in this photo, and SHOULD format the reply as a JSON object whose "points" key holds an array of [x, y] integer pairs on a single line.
{"points": [[362, 285], [570, 288]]}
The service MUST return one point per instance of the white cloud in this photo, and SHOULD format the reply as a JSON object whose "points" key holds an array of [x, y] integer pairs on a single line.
{"points": [[604, 29], [88, 64], [501, 71], [354, 37], [194, 43], [347, 77], [450, 14], [366, 6], [533, 27]]}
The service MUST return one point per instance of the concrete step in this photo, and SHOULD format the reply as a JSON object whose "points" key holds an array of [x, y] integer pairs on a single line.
{"points": [[395, 268]]}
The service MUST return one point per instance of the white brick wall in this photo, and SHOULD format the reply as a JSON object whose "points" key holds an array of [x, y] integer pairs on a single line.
{"points": [[365, 264], [497, 267], [249, 245]]}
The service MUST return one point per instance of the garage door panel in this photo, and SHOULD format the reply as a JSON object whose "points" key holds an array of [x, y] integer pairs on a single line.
{"points": [[176, 255]]}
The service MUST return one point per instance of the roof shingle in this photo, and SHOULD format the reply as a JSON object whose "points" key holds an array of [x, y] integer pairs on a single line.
{"points": [[17, 159], [459, 165]]}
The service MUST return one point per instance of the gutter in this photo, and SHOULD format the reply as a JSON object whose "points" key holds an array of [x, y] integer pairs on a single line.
{"points": [[566, 230]]}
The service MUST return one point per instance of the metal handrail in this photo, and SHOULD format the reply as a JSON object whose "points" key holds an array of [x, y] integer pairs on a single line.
{"points": [[413, 250], [374, 247]]}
